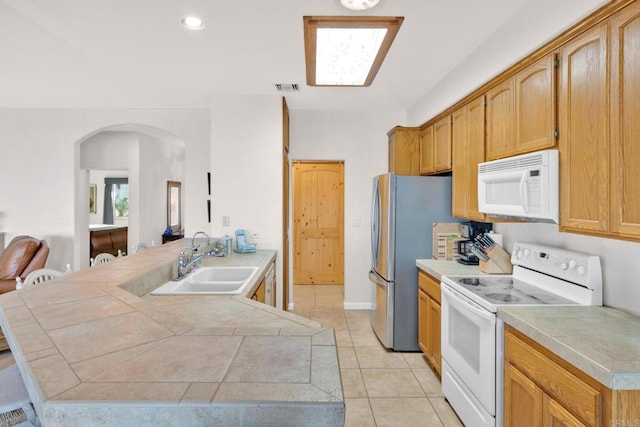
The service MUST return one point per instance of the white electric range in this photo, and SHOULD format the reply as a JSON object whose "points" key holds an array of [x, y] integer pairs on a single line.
{"points": [[472, 335]]}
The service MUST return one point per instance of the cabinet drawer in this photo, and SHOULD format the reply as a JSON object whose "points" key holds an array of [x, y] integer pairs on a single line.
{"points": [[430, 285], [576, 395]]}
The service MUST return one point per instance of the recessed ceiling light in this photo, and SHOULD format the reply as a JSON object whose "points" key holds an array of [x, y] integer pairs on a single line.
{"points": [[192, 23], [359, 4]]}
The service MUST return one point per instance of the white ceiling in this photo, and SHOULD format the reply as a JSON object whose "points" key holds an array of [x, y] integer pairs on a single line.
{"points": [[134, 53]]}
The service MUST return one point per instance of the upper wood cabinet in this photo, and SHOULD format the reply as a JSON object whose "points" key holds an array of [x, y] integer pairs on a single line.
{"points": [[521, 113], [404, 147], [435, 147], [584, 133], [501, 120], [625, 122], [535, 106], [426, 151], [468, 126]]}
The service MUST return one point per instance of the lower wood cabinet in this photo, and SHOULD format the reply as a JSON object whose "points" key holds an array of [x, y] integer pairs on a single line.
{"points": [[542, 389], [258, 295], [429, 319]]}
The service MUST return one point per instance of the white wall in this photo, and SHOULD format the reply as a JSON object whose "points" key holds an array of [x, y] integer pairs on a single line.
{"points": [[537, 22], [38, 179], [160, 161], [246, 170], [360, 139]]}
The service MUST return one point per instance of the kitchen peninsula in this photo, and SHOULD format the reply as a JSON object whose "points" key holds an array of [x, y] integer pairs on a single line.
{"points": [[95, 348]]}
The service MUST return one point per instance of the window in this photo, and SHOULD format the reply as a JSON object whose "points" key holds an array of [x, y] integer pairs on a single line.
{"points": [[120, 196]]}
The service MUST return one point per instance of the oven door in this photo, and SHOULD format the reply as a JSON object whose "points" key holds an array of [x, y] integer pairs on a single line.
{"points": [[469, 345]]}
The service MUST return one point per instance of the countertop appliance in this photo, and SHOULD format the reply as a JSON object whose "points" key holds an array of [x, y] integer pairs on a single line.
{"points": [[470, 231], [473, 337], [404, 209], [524, 186]]}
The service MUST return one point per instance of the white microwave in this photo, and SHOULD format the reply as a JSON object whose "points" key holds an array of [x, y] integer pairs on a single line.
{"points": [[524, 186]]}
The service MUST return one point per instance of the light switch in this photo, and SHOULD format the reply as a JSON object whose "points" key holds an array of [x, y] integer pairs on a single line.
{"points": [[225, 221]]}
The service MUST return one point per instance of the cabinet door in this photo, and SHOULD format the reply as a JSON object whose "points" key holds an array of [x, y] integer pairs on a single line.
{"points": [[461, 174], [258, 295], [522, 399], [442, 145], [625, 122], [433, 325], [536, 106], [555, 415], [423, 330], [426, 151], [475, 153], [403, 151], [584, 126], [501, 120]]}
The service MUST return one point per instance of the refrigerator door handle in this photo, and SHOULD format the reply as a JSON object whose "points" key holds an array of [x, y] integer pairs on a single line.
{"points": [[375, 223]]}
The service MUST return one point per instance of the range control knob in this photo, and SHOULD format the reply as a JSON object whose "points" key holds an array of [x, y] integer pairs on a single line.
{"points": [[527, 252], [564, 266], [572, 263], [519, 254], [580, 270]]}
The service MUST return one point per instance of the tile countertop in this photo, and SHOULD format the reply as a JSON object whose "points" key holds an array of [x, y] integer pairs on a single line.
{"points": [[94, 348], [603, 342], [438, 268]]}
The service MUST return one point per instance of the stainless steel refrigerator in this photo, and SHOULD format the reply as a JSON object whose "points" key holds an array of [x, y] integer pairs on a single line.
{"points": [[403, 211]]}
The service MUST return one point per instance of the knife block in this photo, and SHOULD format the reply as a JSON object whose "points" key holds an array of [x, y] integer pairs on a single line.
{"points": [[499, 262]]}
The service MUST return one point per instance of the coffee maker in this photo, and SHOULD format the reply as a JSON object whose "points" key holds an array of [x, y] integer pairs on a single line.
{"points": [[469, 232]]}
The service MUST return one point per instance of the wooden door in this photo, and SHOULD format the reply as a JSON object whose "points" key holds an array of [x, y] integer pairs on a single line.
{"points": [[475, 144], [536, 106], [442, 145], [426, 151], [285, 205], [501, 120], [318, 219], [584, 139], [461, 175], [522, 399], [625, 122]]}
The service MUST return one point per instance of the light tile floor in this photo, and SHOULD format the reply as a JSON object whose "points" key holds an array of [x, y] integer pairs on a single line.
{"points": [[381, 388]]}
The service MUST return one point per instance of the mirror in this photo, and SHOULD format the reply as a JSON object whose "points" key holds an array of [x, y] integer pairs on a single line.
{"points": [[174, 205]]}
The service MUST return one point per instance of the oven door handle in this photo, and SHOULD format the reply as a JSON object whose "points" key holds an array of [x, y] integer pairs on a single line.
{"points": [[487, 315]]}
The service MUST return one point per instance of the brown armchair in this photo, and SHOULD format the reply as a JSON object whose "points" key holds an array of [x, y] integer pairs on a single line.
{"points": [[23, 255]]}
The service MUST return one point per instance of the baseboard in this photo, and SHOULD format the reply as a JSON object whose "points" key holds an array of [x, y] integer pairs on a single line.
{"points": [[359, 306]]}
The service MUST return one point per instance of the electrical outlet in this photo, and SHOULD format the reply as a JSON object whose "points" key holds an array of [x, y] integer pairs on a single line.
{"points": [[225, 221], [255, 236]]}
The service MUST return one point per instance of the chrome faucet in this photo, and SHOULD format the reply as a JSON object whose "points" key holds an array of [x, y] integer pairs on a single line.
{"points": [[187, 261], [193, 239]]}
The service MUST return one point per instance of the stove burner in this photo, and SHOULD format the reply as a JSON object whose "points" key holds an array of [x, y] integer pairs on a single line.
{"points": [[503, 297], [474, 281]]}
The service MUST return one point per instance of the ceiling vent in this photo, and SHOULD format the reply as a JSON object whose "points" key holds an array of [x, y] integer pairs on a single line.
{"points": [[287, 87]]}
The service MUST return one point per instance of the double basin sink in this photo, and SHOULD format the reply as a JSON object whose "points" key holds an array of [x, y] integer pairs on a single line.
{"points": [[210, 281]]}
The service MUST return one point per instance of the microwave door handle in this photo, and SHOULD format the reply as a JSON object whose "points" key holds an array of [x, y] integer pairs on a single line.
{"points": [[523, 193]]}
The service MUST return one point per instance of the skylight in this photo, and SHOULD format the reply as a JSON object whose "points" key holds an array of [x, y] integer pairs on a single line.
{"points": [[347, 51]]}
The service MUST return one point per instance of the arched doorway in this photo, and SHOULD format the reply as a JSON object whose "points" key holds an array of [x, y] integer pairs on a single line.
{"points": [[149, 157]]}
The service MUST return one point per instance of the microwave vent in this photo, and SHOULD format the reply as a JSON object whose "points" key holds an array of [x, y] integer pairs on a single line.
{"points": [[519, 162]]}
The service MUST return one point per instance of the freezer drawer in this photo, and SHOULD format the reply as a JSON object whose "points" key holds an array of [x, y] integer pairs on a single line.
{"points": [[382, 317]]}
